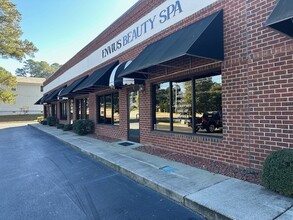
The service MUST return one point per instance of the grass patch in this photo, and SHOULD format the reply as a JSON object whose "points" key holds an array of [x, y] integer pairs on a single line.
{"points": [[7, 118]]}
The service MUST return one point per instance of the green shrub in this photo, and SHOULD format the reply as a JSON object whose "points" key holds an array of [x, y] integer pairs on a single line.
{"points": [[40, 119], [67, 127], [52, 121], [44, 122], [278, 172], [83, 126], [60, 126]]}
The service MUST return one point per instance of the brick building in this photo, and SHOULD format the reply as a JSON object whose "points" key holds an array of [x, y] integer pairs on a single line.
{"points": [[213, 79]]}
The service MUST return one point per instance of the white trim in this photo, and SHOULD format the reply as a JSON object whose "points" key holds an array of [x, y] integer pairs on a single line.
{"points": [[112, 77]]}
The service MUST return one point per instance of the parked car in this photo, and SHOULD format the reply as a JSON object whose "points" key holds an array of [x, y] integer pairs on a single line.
{"points": [[211, 121], [197, 123]]}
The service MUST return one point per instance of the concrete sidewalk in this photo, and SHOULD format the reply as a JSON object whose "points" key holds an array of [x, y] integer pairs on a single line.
{"points": [[212, 195]]}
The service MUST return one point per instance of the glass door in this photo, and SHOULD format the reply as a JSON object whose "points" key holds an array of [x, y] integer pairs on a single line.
{"points": [[133, 115]]}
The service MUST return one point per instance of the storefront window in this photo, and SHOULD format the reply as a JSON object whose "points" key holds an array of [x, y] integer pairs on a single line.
{"points": [[108, 109], [116, 108], [182, 106], [53, 110], [208, 99], [87, 109], [63, 111], [162, 107], [71, 110], [202, 117], [82, 108], [101, 108]]}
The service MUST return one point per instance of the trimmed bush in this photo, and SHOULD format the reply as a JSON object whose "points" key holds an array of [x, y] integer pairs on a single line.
{"points": [[60, 126], [83, 126], [44, 122], [67, 127], [278, 172], [52, 121]]}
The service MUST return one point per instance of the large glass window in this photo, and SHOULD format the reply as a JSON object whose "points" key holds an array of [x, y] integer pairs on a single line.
{"points": [[108, 109], [82, 108], [196, 106], [162, 107], [63, 111], [116, 108], [53, 110], [182, 106]]}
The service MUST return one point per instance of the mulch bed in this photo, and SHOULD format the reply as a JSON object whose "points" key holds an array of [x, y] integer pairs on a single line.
{"points": [[212, 166], [248, 175]]}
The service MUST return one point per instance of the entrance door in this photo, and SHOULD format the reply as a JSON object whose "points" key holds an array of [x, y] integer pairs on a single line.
{"points": [[133, 115]]}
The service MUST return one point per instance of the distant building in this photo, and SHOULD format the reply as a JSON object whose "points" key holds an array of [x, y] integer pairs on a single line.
{"points": [[28, 90]]}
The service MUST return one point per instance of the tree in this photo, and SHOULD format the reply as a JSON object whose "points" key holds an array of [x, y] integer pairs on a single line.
{"points": [[37, 69], [11, 46], [6, 81]]}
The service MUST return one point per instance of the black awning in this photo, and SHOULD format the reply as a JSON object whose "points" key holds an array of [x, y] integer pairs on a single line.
{"points": [[203, 39], [38, 102], [68, 91], [281, 18], [53, 96], [114, 80], [43, 99], [118, 82], [97, 79]]}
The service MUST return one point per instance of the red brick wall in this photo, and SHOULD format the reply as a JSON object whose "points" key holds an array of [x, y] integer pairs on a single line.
{"points": [[257, 86], [257, 92]]}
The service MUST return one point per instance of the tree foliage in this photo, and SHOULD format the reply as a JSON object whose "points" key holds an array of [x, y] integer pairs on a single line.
{"points": [[37, 69], [208, 95], [6, 81], [163, 99], [11, 46]]}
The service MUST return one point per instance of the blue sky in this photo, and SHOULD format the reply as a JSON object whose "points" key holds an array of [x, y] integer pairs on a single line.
{"points": [[60, 28]]}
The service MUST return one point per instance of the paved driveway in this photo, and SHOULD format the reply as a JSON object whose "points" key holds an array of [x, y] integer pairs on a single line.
{"points": [[43, 178]]}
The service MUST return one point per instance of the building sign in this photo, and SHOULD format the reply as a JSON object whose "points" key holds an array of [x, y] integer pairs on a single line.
{"points": [[162, 17], [143, 28]]}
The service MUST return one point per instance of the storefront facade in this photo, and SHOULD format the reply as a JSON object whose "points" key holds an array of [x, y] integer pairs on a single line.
{"points": [[212, 79]]}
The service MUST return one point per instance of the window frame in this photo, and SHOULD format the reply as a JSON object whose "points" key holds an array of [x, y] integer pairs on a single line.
{"points": [[63, 111], [105, 119], [193, 110], [82, 108]]}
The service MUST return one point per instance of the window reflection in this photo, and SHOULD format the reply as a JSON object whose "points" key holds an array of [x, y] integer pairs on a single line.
{"points": [[108, 109], [101, 109], [162, 107], [63, 111], [208, 96], [82, 108], [207, 110], [116, 108], [182, 106]]}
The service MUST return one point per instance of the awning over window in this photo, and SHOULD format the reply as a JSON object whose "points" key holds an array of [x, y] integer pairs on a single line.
{"points": [[203, 39], [43, 99], [115, 81], [68, 91], [281, 18], [98, 78], [38, 102], [53, 96]]}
